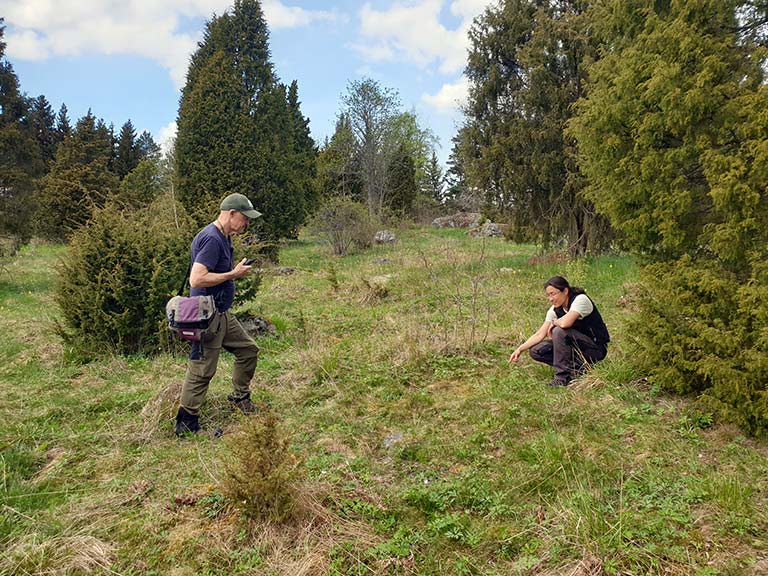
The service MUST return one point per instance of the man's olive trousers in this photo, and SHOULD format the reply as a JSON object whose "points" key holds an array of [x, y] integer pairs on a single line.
{"points": [[227, 333]]}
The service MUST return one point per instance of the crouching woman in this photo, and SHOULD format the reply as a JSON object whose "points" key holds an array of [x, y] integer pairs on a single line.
{"points": [[573, 336]]}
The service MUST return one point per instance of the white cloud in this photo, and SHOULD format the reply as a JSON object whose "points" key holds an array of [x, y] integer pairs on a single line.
{"points": [[374, 52], [166, 136], [281, 16], [469, 9], [148, 28], [450, 96], [412, 32], [27, 45]]}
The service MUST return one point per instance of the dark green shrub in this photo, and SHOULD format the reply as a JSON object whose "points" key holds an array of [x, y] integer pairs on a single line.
{"points": [[701, 330], [246, 246], [117, 275], [260, 474]]}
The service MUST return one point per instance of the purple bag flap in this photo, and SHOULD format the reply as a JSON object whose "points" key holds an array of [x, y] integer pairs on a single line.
{"points": [[182, 311], [189, 310]]}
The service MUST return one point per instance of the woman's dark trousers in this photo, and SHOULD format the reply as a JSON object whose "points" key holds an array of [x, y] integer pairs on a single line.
{"points": [[569, 352]]}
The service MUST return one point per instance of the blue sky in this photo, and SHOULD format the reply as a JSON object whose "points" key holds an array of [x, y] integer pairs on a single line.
{"points": [[128, 58]]}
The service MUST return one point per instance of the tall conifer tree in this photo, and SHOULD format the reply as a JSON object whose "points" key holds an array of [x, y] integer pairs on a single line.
{"points": [[526, 69], [20, 161], [147, 148], [674, 140], [79, 181], [42, 121], [305, 151], [63, 125], [337, 172], [126, 152], [239, 130], [433, 182], [401, 181]]}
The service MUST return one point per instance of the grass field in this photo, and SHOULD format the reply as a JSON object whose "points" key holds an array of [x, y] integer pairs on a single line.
{"points": [[420, 450]]}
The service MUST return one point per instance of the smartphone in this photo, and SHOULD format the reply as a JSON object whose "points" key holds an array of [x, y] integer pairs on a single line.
{"points": [[250, 261]]}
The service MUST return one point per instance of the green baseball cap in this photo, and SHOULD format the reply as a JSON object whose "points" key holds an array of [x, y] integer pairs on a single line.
{"points": [[241, 204]]}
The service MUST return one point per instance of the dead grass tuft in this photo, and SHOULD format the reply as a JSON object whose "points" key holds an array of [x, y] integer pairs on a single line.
{"points": [[590, 565], [159, 409], [587, 382], [299, 546], [81, 554], [54, 457], [376, 288], [303, 546]]}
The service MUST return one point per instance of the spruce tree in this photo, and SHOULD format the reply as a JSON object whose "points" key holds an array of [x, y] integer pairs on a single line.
{"points": [[337, 164], [401, 181], [240, 130], [42, 121], [79, 181], [126, 151], [147, 148], [433, 182], [63, 126], [20, 161], [457, 192]]}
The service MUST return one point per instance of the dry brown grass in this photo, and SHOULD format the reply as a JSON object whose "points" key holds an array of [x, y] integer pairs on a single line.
{"points": [[60, 555], [300, 546], [55, 458], [375, 288], [159, 409], [590, 565]]}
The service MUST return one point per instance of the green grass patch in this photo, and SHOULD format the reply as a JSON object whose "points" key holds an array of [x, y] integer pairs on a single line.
{"points": [[421, 450]]}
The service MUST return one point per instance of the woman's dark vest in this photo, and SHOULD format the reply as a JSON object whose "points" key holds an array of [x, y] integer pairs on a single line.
{"points": [[591, 325]]}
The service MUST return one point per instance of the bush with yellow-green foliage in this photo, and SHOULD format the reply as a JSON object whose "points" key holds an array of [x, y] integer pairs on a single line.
{"points": [[673, 138], [703, 331], [118, 273], [260, 473]]}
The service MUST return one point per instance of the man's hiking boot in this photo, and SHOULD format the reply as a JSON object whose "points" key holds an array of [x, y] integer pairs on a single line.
{"points": [[243, 404], [558, 382], [186, 423]]}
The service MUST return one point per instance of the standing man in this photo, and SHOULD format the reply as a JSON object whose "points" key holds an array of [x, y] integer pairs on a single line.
{"points": [[578, 337], [213, 272]]}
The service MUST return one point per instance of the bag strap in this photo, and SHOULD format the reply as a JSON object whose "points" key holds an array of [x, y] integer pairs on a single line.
{"points": [[184, 282]]}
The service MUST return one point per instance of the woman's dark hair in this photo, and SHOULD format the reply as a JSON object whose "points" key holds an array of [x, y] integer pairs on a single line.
{"points": [[561, 284]]}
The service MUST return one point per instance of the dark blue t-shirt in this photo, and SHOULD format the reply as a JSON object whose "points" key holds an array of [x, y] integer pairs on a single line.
{"points": [[214, 251]]}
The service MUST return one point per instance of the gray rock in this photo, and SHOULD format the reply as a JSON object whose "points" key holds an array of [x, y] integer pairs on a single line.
{"points": [[459, 220], [392, 439], [384, 237], [256, 325], [487, 230]]}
